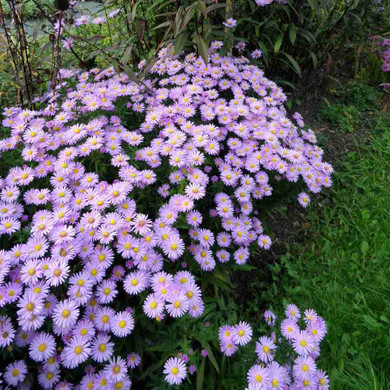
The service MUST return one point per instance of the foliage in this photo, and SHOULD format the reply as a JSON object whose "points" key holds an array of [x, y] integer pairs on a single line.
{"points": [[342, 267], [29, 7], [340, 116], [353, 100]]}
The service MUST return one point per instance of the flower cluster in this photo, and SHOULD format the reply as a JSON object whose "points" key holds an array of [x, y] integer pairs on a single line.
{"points": [[80, 20], [383, 50], [210, 140], [230, 337], [300, 371], [262, 3]]}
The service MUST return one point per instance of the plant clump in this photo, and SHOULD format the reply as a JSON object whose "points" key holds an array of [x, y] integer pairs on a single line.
{"points": [[133, 190]]}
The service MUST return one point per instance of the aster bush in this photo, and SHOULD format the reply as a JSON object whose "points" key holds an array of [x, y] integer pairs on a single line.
{"points": [[127, 197]]}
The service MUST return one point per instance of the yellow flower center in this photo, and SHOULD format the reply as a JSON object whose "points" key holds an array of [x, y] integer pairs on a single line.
{"points": [[42, 347]]}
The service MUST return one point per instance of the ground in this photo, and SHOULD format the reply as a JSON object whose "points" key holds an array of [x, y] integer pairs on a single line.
{"points": [[336, 257]]}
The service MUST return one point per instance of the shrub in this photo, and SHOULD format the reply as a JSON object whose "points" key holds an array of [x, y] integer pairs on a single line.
{"points": [[122, 189]]}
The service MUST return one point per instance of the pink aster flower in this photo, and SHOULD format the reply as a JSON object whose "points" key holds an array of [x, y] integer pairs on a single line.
{"points": [[303, 199], [302, 342], [304, 368], [75, 352], [259, 376], [264, 241], [293, 312], [15, 373], [122, 324], [270, 317], [288, 328], [242, 333], [42, 347], [230, 23], [265, 349], [99, 20], [153, 306], [133, 360], [175, 371], [322, 380], [116, 369], [229, 348], [102, 348]]}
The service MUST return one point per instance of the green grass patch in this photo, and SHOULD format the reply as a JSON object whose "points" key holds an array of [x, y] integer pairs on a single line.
{"points": [[342, 269]]}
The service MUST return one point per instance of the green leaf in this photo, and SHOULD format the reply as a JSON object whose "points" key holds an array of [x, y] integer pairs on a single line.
{"points": [[155, 366], [314, 58], [278, 43], [202, 48], [180, 42], [211, 356], [292, 33], [200, 376], [364, 247], [127, 53], [294, 64], [178, 21], [215, 6], [162, 25], [149, 66], [264, 51], [285, 82], [189, 13]]}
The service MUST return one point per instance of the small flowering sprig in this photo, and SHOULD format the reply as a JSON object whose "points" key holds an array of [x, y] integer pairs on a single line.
{"points": [[230, 23], [302, 337], [383, 50]]}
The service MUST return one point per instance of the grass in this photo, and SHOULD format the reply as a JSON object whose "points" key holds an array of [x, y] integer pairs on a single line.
{"points": [[342, 269]]}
